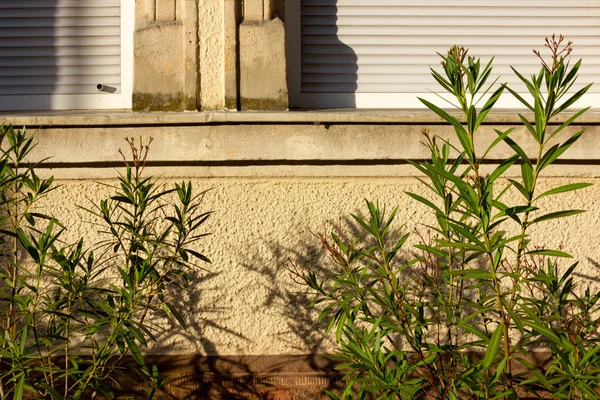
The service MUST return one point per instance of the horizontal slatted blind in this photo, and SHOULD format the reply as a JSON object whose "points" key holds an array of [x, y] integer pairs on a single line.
{"points": [[59, 47], [386, 46]]}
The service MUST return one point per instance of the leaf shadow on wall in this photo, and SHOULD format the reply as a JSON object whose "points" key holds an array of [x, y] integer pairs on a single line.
{"points": [[203, 373]]}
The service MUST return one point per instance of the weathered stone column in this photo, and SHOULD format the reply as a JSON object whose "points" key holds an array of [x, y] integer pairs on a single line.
{"points": [[211, 19], [262, 60], [165, 55], [231, 63]]}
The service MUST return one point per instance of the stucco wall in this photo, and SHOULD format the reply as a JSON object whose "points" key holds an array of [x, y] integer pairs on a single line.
{"points": [[250, 305]]}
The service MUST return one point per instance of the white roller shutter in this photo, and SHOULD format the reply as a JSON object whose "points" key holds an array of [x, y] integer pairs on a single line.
{"points": [[376, 53], [55, 53]]}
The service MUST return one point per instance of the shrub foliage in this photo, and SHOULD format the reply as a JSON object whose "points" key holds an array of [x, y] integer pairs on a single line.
{"points": [[70, 314], [463, 313]]}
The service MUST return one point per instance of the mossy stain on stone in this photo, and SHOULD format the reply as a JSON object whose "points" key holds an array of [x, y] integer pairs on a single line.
{"points": [[278, 104], [161, 102]]}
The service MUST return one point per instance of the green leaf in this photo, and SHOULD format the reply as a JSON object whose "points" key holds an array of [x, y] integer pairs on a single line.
{"points": [[493, 346], [571, 100], [499, 370], [489, 104], [472, 274], [471, 119], [513, 145], [122, 199], [557, 214], [529, 127], [18, 393], [549, 334], [527, 175], [29, 218], [443, 114], [172, 310], [594, 351], [550, 253], [568, 122], [540, 120], [518, 97], [565, 188], [520, 188], [199, 255], [133, 347], [473, 330], [25, 242], [501, 137], [513, 212], [506, 164], [555, 152], [465, 142], [425, 201]]}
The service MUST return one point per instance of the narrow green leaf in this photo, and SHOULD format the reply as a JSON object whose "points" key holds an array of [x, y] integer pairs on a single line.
{"points": [[489, 104], [501, 137], [518, 97], [594, 351], [527, 175], [122, 199], [493, 346], [471, 119], [529, 127], [133, 347], [565, 188], [557, 214], [471, 273], [443, 114], [556, 152], [571, 100], [499, 370], [540, 120], [18, 393], [550, 253], [425, 201], [549, 334], [172, 310], [199, 255], [473, 330], [506, 164], [513, 145], [520, 188], [568, 122]]}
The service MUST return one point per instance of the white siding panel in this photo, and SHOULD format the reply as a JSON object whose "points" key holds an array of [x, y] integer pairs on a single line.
{"points": [[352, 49], [55, 53]]}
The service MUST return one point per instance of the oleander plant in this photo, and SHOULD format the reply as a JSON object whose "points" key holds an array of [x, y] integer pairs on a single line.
{"points": [[70, 313], [475, 309]]}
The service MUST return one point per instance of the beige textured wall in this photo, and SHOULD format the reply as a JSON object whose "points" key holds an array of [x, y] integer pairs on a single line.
{"points": [[250, 306]]}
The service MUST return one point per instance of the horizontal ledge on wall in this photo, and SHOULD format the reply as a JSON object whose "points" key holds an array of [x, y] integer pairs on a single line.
{"points": [[338, 171], [277, 163], [337, 116], [282, 149]]}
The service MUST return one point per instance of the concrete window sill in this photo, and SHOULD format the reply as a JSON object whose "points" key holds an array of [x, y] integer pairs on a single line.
{"points": [[342, 116]]}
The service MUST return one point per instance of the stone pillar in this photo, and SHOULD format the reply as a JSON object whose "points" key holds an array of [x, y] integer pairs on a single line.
{"points": [[231, 74], [212, 55], [262, 62], [165, 61]]}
